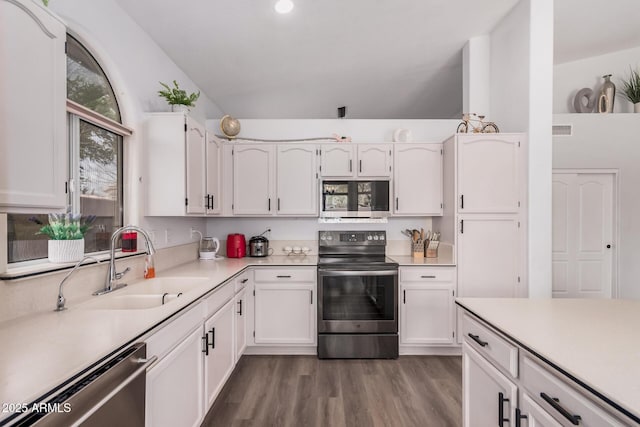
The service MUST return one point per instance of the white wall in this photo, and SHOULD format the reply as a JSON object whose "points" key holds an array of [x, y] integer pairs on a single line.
{"points": [[135, 64], [610, 141], [570, 77], [521, 100]]}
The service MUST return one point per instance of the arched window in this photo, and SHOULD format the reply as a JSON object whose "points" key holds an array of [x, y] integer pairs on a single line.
{"points": [[95, 160]]}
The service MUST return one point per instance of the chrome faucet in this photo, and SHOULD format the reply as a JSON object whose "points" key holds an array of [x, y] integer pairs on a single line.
{"points": [[112, 274], [61, 299]]}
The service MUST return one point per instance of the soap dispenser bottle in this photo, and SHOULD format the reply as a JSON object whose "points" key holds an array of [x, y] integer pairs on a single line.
{"points": [[149, 268]]}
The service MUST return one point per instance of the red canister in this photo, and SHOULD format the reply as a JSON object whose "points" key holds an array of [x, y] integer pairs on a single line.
{"points": [[236, 246]]}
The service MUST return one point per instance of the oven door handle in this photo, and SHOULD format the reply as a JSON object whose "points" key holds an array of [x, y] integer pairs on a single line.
{"points": [[358, 272]]}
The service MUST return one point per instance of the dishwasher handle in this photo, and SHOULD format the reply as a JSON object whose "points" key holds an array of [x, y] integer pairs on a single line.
{"points": [[146, 364]]}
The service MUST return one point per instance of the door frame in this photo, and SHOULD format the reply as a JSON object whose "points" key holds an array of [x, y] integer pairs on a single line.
{"points": [[615, 216]]}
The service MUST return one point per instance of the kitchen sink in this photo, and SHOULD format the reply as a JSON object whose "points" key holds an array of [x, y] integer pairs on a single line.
{"points": [[126, 302], [162, 285]]}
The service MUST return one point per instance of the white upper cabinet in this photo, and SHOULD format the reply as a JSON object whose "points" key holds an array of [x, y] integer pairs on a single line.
{"points": [[196, 147], [33, 96], [374, 160], [253, 179], [297, 180], [418, 179], [337, 161], [489, 173], [213, 196], [175, 183]]}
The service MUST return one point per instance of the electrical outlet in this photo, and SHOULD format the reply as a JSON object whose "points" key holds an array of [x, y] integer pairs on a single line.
{"points": [[167, 236], [194, 232], [153, 236]]}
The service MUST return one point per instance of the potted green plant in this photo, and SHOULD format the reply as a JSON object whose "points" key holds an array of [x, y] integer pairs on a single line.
{"points": [[178, 98], [631, 89], [66, 233]]}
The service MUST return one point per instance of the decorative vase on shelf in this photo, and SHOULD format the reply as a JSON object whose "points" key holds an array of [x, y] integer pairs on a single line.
{"points": [[179, 108], [62, 251], [607, 95]]}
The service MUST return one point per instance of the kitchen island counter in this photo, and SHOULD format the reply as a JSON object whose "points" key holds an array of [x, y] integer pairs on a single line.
{"points": [[594, 342]]}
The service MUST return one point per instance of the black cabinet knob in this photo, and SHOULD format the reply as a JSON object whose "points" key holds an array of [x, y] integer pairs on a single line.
{"points": [[608, 246]]}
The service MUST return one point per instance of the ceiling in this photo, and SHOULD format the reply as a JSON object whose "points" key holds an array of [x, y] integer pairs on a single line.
{"points": [[391, 59]]}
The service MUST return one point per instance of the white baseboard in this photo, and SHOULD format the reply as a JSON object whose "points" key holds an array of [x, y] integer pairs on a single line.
{"points": [[281, 350]]}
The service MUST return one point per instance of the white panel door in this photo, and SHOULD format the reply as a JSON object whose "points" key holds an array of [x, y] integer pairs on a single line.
{"points": [[297, 183], [213, 195], [488, 173], [533, 415], [241, 323], [195, 167], [486, 392], [285, 314], [253, 176], [220, 360], [488, 256], [583, 225], [337, 161], [33, 93], [174, 388], [426, 313], [374, 160], [418, 179]]}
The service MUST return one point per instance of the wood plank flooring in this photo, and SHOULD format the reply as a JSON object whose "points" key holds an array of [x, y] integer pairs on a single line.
{"points": [[304, 391]]}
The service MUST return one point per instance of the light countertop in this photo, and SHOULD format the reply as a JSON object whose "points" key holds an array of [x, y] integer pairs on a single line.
{"points": [[408, 260], [595, 341], [41, 351]]}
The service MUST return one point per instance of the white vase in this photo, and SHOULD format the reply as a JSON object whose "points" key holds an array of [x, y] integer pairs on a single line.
{"points": [[62, 251], [179, 108], [636, 107]]}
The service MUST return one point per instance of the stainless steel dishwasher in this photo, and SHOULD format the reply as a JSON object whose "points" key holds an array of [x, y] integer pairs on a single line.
{"points": [[112, 394]]}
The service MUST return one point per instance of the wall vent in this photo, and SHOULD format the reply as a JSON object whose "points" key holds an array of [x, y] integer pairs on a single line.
{"points": [[562, 130]]}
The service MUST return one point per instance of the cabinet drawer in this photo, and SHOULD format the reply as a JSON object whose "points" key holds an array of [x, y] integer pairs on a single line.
{"points": [[546, 387], [160, 343], [241, 281], [283, 276], [219, 297], [491, 345], [432, 274]]}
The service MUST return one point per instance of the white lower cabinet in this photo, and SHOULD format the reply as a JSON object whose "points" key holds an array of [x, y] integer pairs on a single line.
{"points": [[285, 306], [531, 414], [219, 357], [426, 305], [174, 390], [488, 395]]}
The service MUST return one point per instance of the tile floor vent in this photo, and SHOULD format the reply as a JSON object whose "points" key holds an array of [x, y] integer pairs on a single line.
{"points": [[562, 130]]}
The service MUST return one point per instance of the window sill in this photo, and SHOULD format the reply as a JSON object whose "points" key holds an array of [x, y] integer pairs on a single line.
{"points": [[43, 268]]}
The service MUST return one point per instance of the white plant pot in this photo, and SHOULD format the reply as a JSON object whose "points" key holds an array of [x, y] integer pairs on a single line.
{"points": [[179, 108], [636, 107], [62, 251]]}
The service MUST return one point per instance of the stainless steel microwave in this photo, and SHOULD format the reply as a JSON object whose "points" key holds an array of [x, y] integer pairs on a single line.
{"points": [[355, 199]]}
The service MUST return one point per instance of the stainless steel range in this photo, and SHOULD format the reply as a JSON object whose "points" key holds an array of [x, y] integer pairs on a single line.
{"points": [[357, 296]]}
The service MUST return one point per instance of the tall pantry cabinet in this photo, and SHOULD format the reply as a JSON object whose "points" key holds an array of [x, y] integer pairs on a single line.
{"points": [[485, 212]]}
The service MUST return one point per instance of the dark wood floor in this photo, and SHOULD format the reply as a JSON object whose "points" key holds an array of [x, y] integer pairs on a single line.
{"points": [[303, 391]]}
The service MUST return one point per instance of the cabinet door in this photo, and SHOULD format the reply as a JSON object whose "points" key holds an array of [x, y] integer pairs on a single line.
{"points": [[426, 313], [241, 323], [488, 173], [374, 160], [33, 97], [488, 256], [297, 181], [532, 415], [285, 314], [213, 196], [174, 390], [418, 179], [195, 167], [486, 393], [336, 161], [253, 172], [220, 360]]}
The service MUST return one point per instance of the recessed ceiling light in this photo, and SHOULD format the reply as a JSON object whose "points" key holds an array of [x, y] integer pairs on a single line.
{"points": [[284, 6]]}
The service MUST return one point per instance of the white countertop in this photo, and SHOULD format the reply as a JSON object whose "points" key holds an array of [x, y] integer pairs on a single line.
{"points": [[408, 260], [41, 351], [595, 341]]}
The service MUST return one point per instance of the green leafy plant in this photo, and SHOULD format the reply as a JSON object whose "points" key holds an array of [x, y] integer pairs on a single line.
{"points": [[176, 96], [65, 226], [631, 86], [45, 2]]}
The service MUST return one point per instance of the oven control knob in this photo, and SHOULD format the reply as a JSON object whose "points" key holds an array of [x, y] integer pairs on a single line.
{"points": [[375, 237], [323, 237], [369, 237], [382, 237], [329, 237]]}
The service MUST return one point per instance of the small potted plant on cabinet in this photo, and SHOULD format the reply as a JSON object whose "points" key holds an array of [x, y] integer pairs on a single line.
{"points": [[631, 89], [66, 233], [178, 98]]}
